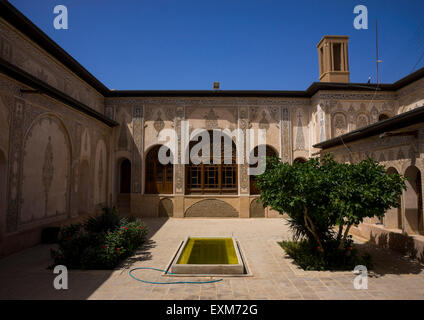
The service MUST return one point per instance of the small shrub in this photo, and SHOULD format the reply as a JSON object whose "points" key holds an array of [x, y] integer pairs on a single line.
{"points": [[306, 255], [101, 242]]}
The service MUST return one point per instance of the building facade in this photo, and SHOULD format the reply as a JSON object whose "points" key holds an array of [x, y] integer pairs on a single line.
{"points": [[69, 145]]}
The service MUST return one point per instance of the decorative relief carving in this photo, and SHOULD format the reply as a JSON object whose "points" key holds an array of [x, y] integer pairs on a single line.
{"points": [[361, 121], [351, 112], [243, 168], [374, 114], [5, 49], [253, 113], [101, 173], [148, 115], [321, 121], [110, 112], [123, 136], [169, 113], [300, 138], [400, 155], [179, 168], [136, 164], [15, 168], [159, 124], [339, 124], [286, 135], [48, 172], [211, 120], [263, 123], [356, 96], [274, 113]]}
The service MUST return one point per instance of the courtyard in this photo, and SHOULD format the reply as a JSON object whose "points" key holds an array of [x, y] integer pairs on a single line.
{"points": [[24, 275]]}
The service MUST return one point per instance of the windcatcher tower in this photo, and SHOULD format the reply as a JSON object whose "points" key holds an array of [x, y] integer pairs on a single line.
{"points": [[333, 59]]}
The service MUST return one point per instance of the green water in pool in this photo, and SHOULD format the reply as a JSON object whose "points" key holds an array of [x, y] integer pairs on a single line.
{"points": [[209, 251]]}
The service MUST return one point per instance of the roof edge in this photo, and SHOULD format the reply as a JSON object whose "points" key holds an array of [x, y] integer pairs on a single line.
{"points": [[29, 80]]}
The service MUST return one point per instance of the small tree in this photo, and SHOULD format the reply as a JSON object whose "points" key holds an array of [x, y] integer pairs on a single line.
{"points": [[321, 194]]}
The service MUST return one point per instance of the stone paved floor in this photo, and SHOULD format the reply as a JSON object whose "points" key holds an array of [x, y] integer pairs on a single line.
{"points": [[275, 276]]}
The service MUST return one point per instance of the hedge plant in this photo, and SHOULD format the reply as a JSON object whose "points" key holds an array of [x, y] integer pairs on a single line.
{"points": [[101, 242]]}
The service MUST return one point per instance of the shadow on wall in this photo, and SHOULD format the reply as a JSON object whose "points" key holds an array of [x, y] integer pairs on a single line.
{"points": [[403, 244], [392, 253]]}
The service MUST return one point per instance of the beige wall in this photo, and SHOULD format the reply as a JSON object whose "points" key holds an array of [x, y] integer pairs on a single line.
{"points": [[44, 144], [401, 154]]}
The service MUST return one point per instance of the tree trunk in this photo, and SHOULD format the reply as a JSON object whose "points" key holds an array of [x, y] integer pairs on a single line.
{"points": [[311, 228], [339, 234], [345, 236]]}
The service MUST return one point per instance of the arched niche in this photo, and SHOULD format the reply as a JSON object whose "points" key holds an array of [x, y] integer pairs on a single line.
{"points": [[46, 170]]}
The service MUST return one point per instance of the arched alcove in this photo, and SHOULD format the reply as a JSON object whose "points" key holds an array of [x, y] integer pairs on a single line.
{"points": [[256, 209], [299, 160], [211, 208], [413, 201], [45, 170]]}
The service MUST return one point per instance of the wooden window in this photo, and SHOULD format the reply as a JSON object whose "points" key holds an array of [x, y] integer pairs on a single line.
{"points": [[159, 177], [212, 178]]}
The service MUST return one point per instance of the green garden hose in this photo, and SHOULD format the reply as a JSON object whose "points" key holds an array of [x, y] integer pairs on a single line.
{"points": [[174, 282]]}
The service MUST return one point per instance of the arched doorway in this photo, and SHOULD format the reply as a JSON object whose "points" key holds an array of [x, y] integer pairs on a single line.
{"points": [[159, 177], [299, 160], [269, 152], [413, 201], [3, 186], [84, 187], [393, 217], [213, 178], [125, 176]]}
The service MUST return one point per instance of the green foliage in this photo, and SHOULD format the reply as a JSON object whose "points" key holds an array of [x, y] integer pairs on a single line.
{"points": [[101, 242], [321, 194], [109, 220], [309, 258]]}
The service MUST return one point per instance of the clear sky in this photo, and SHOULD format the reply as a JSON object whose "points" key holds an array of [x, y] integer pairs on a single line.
{"points": [[243, 44]]}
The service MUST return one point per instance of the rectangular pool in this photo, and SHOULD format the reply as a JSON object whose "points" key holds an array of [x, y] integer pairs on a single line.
{"points": [[208, 255]]}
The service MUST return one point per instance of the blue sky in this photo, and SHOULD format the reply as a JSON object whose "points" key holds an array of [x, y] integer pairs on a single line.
{"points": [[246, 45]]}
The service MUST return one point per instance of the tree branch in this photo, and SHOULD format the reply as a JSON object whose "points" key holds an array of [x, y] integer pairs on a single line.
{"points": [[310, 226]]}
